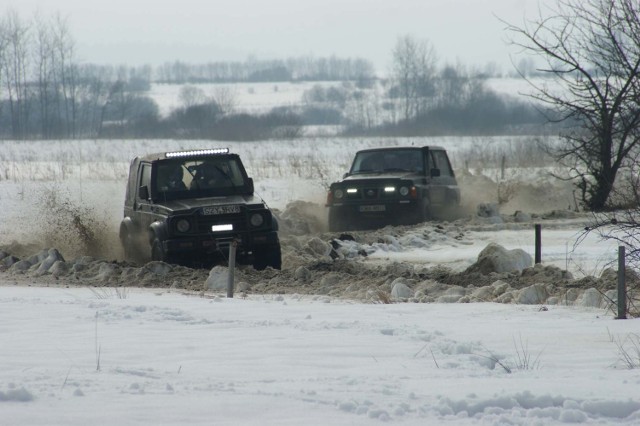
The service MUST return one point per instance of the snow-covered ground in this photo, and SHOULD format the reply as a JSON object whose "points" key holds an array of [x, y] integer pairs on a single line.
{"points": [[84, 348], [77, 356], [262, 97], [247, 97]]}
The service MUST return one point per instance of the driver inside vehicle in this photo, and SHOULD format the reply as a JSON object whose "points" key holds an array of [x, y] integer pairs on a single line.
{"points": [[210, 175], [170, 178]]}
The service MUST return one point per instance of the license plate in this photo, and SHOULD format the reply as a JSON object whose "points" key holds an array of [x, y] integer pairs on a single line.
{"points": [[207, 211], [375, 208]]}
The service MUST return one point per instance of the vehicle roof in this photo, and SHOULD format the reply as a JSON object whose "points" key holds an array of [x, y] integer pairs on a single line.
{"points": [[163, 155], [396, 148]]}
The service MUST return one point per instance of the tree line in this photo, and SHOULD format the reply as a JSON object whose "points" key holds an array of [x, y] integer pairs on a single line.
{"points": [[254, 70], [47, 93]]}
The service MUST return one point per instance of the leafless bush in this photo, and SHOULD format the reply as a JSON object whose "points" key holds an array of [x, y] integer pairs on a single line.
{"points": [[632, 307], [623, 227]]}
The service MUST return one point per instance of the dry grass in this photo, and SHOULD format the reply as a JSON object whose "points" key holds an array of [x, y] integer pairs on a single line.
{"points": [[523, 359], [383, 297], [629, 350], [110, 292]]}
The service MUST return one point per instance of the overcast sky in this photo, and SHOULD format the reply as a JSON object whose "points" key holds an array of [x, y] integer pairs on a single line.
{"points": [[199, 31]]}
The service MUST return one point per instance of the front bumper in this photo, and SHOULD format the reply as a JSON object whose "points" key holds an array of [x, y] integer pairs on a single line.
{"points": [[380, 213], [208, 245]]}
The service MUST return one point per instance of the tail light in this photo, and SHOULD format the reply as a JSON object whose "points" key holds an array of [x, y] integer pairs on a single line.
{"points": [[413, 192]]}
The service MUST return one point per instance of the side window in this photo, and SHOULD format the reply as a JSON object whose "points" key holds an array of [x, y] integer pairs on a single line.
{"points": [[442, 162], [145, 176], [430, 163]]}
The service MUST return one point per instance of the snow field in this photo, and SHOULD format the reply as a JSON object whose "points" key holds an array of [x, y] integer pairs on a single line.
{"points": [[169, 358]]}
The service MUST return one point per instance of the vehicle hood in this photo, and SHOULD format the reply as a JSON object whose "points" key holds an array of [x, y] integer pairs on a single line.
{"points": [[196, 203], [366, 177]]}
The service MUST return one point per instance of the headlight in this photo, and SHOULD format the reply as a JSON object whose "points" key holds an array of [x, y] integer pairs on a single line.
{"points": [[338, 193], [183, 225], [404, 191], [256, 220]]}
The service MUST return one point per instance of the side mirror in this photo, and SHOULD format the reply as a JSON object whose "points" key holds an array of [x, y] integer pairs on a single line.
{"points": [[435, 173], [143, 192], [345, 175], [250, 185]]}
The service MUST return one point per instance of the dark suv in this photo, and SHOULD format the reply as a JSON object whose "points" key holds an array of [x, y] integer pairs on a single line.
{"points": [[188, 207], [393, 186]]}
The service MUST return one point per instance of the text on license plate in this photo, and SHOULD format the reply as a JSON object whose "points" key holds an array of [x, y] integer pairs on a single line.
{"points": [[374, 208], [220, 210]]}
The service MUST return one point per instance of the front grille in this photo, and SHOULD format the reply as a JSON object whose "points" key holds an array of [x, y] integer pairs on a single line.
{"points": [[371, 193], [205, 223]]}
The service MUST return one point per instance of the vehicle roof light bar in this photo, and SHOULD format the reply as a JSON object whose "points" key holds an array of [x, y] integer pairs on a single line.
{"points": [[197, 152]]}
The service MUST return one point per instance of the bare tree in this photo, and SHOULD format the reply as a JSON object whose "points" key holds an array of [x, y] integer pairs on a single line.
{"points": [[14, 69], [3, 57], [414, 64], [191, 95], [44, 58], [66, 73], [592, 49], [226, 99], [452, 85]]}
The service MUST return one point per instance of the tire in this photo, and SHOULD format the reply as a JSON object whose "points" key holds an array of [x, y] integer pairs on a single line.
{"points": [[157, 251], [336, 223], [130, 250], [267, 256], [425, 215]]}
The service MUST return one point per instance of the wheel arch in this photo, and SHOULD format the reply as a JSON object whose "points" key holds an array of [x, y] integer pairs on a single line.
{"points": [[157, 230], [126, 228]]}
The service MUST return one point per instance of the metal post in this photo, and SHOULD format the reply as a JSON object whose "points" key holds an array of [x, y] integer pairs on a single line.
{"points": [[622, 287], [232, 267], [538, 229]]}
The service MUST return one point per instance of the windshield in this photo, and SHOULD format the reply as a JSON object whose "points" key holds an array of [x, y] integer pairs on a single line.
{"points": [[199, 177], [410, 160]]}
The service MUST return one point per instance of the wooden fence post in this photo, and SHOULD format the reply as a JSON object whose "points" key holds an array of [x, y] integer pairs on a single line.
{"points": [[622, 286], [232, 267], [538, 258]]}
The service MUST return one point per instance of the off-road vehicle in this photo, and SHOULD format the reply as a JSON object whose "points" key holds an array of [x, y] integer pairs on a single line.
{"points": [[188, 207], [393, 186]]}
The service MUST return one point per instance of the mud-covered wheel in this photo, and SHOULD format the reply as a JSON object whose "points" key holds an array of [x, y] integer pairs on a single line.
{"points": [[336, 222], [131, 253], [157, 251], [426, 214], [267, 256]]}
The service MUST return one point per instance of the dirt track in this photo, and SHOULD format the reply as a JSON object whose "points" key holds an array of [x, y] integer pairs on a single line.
{"points": [[319, 263]]}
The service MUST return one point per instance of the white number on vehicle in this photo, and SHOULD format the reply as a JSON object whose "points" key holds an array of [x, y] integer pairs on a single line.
{"points": [[220, 210], [374, 208]]}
